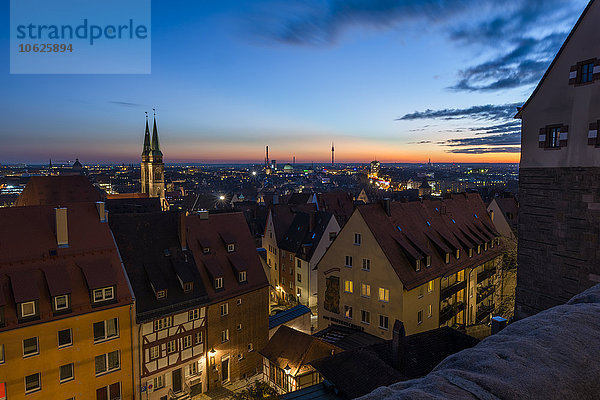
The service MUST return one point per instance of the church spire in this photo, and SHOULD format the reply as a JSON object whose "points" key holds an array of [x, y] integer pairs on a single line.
{"points": [[147, 148], [155, 144]]}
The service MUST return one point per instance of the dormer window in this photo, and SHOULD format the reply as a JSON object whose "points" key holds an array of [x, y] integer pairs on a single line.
{"points": [[470, 252], [457, 254], [428, 261], [478, 249], [161, 294], [188, 287], [242, 276], [498, 241], [447, 258], [61, 303], [485, 246], [205, 250], [417, 265], [231, 247], [218, 283], [28, 309], [103, 294]]}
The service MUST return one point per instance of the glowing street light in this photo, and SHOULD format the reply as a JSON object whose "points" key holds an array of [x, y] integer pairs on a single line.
{"points": [[287, 369], [254, 173], [221, 197]]}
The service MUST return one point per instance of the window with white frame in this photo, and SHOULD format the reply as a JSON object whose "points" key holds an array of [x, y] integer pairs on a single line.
{"points": [[366, 264], [171, 346], [428, 261], [193, 314], [198, 337], [230, 247], [224, 336], [103, 294], [242, 276], [348, 261], [33, 383], [187, 341], [108, 362], [239, 302], [65, 338], [192, 369], [61, 303], [420, 317], [357, 239], [30, 347], [365, 290], [384, 322], [218, 283], [105, 330], [28, 309], [154, 352], [159, 383], [65, 373], [224, 309], [163, 323]]}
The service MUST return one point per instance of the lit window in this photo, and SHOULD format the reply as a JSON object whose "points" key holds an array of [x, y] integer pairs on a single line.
{"points": [[447, 258], [65, 338], [417, 265], [429, 311], [105, 330], [348, 312], [224, 336], [28, 309], [187, 341], [33, 383], [106, 363], [470, 252], [30, 347], [457, 254], [366, 264], [103, 294], [66, 373], [430, 285], [365, 290], [154, 352], [357, 239], [198, 337], [384, 295], [242, 276], [224, 309], [348, 261], [383, 322], [348, 286], [193, 314], [230, 248], [171, 346], [218, 283], [61, 303], [365, 317], [478, 249]]}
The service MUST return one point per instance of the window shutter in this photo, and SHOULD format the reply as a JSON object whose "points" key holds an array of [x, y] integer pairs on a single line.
{"points": [[542, 138], [564, 135], [573, 75], [593, 134], [597, 69]]}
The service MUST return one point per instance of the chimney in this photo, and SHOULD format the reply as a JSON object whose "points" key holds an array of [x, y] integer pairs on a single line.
{"points": [[182, 230], [398, 345], [311, 221], [498, 323], [62, 232], [387, 206], [100, 206]]}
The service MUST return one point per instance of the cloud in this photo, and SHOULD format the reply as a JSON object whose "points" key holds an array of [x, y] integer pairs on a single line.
{"points": [[485, 112], [485, 150], [421, 142], [125, 104], [508, 127], [505, 139]]}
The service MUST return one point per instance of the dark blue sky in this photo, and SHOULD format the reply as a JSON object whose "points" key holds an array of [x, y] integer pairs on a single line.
{"points": [[397, 80]]}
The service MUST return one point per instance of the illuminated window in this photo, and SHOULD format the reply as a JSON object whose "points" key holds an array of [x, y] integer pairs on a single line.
{"points": [[429, 311], [428, 261], [163, 323], [447, 258], [365, 290], [384, 295], [348, 312], [417, 265], [430, 286], [230, 248], [457, 254], [348, 286], [224, 336], [242, 276]]}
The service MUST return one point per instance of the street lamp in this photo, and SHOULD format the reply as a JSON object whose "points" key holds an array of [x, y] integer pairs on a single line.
{"points": [[287, 369], [221, 197]]}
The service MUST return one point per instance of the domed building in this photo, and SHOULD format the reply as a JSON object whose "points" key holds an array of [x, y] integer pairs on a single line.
{"points": [[288, 168]]}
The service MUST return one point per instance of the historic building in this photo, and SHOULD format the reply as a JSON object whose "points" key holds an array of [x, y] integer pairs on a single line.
{"points": [[559, 185], [152, 166], [427, 263], [65, 306]]}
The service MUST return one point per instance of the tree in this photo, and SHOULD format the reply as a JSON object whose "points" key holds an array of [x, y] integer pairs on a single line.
{"points": [[258, 390]]}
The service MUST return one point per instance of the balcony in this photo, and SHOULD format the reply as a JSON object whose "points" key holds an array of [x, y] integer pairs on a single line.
{"points": [[452, 289], [450, 311], [484, 312], [483, 275]]}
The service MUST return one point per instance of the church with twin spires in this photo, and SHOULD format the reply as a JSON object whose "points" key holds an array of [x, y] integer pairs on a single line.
{"points": [[152, 166]]}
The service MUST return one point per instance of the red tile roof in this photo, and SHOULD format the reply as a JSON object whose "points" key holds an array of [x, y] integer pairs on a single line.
{"points": [[29, 254], [58, 190], [418, 229]]}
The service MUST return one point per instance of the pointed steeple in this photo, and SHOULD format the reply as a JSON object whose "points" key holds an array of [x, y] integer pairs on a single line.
{"points": [[147, 146], [155, 144]]}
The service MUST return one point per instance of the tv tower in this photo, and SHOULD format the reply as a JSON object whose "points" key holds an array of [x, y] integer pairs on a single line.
{"points": [[267, 158], [332, 154]]}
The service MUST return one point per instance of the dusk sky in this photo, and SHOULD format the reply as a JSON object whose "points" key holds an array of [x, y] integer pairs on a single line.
{"points": [[400, 81]]}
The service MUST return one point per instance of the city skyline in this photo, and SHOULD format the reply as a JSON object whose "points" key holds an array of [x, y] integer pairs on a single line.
{"points": [[397, 81]]}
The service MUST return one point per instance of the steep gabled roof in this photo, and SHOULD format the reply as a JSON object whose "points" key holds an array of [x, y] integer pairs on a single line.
{"points": [[560, 51], [58, 190]]}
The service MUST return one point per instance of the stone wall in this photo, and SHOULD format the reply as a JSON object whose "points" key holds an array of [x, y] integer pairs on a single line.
{"points": [[559, 230]]}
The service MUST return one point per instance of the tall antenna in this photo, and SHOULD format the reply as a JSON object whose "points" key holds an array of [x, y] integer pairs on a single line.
{"points": [[332, 154]]}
